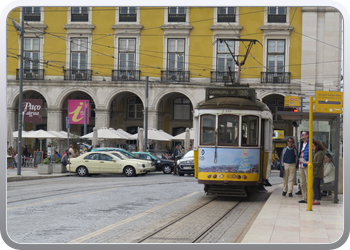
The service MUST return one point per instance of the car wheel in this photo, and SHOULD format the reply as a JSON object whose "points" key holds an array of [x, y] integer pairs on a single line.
{"points": [[129, 171], [82, 171], [167, 169]]}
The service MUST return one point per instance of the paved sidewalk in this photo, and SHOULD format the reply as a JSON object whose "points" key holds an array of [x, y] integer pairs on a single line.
{"points": [[31, 174], [284, 220]]}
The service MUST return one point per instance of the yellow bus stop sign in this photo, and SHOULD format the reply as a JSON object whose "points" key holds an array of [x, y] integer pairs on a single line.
{"points": [[329, 102], [291, 101]]}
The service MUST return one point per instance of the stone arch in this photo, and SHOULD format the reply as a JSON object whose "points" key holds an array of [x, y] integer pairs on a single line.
{"points": [[63, 95], [112, 94], [262, 94], [169, 91], [13, 99]]}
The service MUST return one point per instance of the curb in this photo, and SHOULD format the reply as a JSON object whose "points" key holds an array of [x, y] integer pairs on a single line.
{"points": [[25, 178]]}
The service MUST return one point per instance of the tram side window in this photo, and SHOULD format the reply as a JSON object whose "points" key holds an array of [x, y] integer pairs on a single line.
{"points": [[228, 130], [250, 130], [208, 129]]}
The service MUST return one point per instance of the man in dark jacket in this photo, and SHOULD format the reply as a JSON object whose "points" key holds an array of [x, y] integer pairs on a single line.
{"points": [[176, 155], [288, 159]]}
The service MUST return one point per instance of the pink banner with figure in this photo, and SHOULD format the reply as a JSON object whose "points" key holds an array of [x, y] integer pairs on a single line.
{"points": [[76, 111]]}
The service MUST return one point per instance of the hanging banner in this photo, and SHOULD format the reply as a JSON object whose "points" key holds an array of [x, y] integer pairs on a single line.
{"points": [[32, 110], [76, 111]]}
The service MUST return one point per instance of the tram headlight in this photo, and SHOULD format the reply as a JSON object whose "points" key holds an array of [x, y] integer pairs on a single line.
{"points": [[209, 176], [214, 176], [178, 162], [244, 177], [238, 177]]}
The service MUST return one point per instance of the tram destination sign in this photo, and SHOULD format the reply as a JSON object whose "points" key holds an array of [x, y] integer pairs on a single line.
{"points": [[329, 102], [230, 92]]}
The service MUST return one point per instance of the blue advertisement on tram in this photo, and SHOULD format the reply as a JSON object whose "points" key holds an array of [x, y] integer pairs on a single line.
{"points": [[228, 160]]}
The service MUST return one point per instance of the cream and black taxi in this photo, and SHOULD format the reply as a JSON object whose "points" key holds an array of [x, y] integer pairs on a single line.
{"points": [[107, 163]]}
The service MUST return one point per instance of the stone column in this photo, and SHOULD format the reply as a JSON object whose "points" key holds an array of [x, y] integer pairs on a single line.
{"points": [[152, 118], [102, 118], [54, 119]]}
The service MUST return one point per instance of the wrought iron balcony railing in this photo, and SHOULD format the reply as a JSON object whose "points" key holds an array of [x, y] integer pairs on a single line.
{"points": [[275, 77], [127, 17], [80, 17], [276, 18], [176, 18], [32, 17], [226, 18], [126, 75], [175, 76], [31, 74], [222, 76], [78, 74]]}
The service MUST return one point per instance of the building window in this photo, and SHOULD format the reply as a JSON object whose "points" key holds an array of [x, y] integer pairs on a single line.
{"points": [[78, 49], [275, 55], [127, 14], [135, 108], [226, 14], [277, 15], [276, 105], [127, 53], [32, 14], [176, 54], [79, 14], [31, 54], [182, 109], [177, 14], [224, 57]]}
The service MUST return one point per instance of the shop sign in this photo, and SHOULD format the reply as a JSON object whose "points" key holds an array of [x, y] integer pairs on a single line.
{"points": [[76, 111], [32, 109]]}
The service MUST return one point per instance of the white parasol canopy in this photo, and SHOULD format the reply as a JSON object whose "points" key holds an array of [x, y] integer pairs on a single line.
{"points": [[182, 136], [153, 135], [105, 133], [58, 134], [15, 133], [165, 134], [39, 134]]}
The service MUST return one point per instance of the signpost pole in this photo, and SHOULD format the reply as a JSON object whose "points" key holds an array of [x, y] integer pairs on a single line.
{"points": [[310, 166]]}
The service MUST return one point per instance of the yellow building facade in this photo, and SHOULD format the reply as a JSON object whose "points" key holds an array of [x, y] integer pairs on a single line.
{"points": [[104, 54]]}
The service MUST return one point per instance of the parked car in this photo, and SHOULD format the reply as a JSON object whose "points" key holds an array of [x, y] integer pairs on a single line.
{"points": [[186, 164], [167, 166], [124, 152], [107, 162]]}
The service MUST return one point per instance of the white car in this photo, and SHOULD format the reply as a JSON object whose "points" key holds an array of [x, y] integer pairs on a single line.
{"points": [[107, 163]]}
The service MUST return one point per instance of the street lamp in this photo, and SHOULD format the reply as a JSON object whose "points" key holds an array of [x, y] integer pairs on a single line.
{"points": [[20, 29]]}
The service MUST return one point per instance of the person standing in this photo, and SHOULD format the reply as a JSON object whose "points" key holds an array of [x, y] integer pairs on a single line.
{"points": [[176, 155], [303, 157], [71, 151], [317, 161], [288, 159]]}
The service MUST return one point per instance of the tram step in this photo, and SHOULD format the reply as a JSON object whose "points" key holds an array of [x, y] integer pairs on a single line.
{"points": [[224, 191]]}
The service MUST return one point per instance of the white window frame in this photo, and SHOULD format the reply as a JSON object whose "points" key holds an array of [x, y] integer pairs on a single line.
{"points": [[165, 50], [276, 36], [137, 49], [166, 12], [215, 52], [266, 13], [69, 16], [127, 52], [216, 12], [88, 56], [176, 52], [276, 54], [41, 15], [34, 51], [137, 16]]}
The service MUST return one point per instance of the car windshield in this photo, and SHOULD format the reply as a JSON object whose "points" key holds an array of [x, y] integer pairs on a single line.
{"points": [[127, 156], [119, 156], [189, 154]]}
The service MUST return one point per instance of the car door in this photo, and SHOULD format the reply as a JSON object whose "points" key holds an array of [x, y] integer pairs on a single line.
{"points": [[109, 164], [92, 162]]}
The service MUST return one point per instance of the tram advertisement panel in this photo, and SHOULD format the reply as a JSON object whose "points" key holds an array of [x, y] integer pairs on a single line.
{"points": [[228, 160]]}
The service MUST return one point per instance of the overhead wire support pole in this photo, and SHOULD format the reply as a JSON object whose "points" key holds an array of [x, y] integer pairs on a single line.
{"points": [[20, 29]]}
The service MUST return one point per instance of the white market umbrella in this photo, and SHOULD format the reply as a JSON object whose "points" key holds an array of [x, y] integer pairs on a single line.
{"points": [[15, 133], [60, 137], [182, 136], [104, 133], [121, 131], [39, 134], [165, 134], [58, 134], [153, 135]]}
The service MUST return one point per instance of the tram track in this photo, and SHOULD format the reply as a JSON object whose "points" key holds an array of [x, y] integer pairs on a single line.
{"points": [[166, 234]]}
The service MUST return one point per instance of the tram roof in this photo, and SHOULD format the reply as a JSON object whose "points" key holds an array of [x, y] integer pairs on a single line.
{"points": [[232, 103]]}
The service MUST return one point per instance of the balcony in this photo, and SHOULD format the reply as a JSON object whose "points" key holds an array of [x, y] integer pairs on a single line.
{"points": [[224, 18], [31, 74], [80, 17], [32, 17], [176, 18], [126, 75], [127, 17], [222, 76], [275, 77], [175, 76], [276, 18], [77, 74]]}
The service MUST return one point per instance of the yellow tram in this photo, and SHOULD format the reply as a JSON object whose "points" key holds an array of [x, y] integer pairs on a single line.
{"points": [[233, 142]]}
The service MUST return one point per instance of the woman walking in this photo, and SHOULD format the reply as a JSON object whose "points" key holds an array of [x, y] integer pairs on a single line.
{"points": [[317, 161]]}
